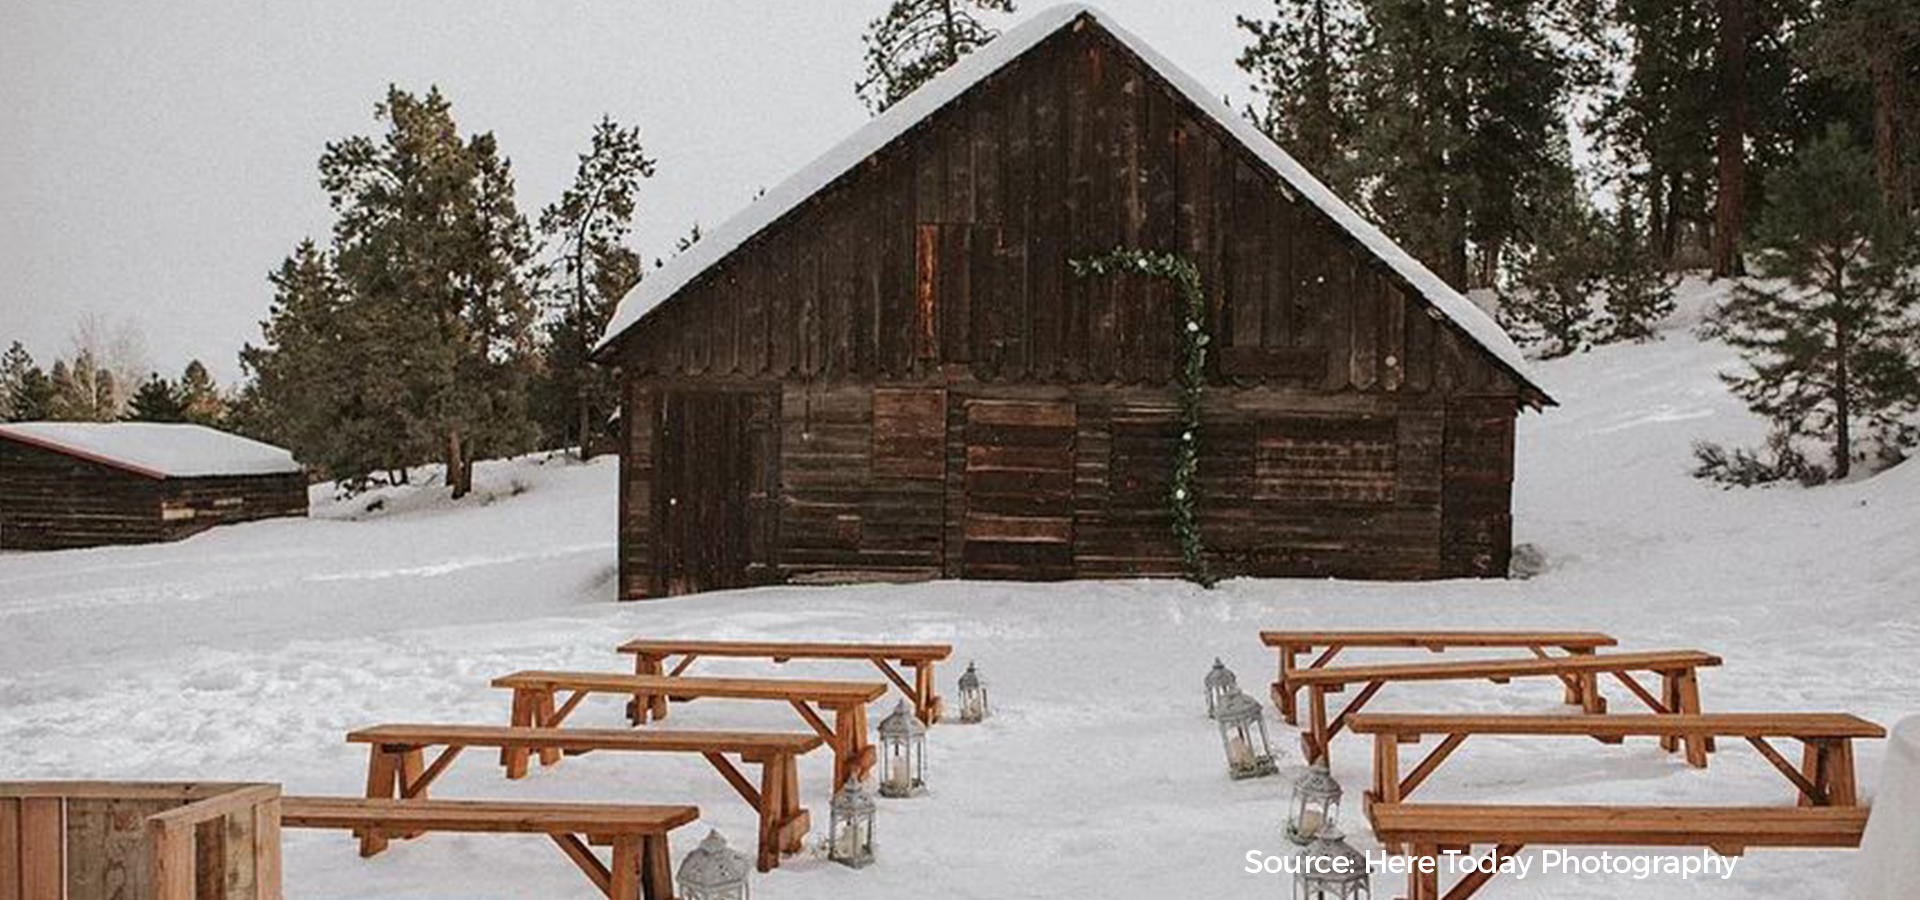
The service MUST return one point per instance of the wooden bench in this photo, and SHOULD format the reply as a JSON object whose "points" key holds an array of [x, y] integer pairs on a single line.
{"points": [[535, 703], [1680, 687], [1433, 829], [652, 656], [397, 767], [1825, 777], [642, 865], [1291, 644]]}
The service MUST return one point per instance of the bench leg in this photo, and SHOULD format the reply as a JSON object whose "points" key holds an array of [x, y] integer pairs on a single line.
{"points": [[656, 868], [926, 703], [1670, 698], [383, 772], [1313, 742], [1687, 692], [1283, 689], [624, 883], [1423, 883], [645, 707], [853, 722], [543, 714], [793, 817], [515, 758]]}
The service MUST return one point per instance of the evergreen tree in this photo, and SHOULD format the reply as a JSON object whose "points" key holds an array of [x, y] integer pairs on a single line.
{"points": [[1559, 275], [1658, 125], [83, 391], [306, 389], [590, 269], [26, 393], [431, 255], [918, 39], [200, 396], [1875, 44], [1462, 125], [157, 400], [1638, 290], [1827, 352], [1301, 62]]}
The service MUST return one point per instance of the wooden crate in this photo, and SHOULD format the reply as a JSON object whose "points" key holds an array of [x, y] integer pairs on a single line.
{"points": [[125, 840]]}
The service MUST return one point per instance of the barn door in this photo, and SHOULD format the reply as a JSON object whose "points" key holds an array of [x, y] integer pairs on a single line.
{"points": [[715, 470], [1019, 489]]}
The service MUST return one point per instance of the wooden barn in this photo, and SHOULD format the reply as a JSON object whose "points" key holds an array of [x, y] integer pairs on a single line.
{"points": [[75, 484], [885, 369]]}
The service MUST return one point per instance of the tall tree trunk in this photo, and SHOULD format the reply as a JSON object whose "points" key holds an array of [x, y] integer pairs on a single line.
{"points": [[456, 465], [1730, 201], [1842, 403], [1888, 104], [586, 430]]}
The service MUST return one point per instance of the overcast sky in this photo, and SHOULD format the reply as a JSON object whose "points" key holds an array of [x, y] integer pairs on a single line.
{"points": [[156, 159]]}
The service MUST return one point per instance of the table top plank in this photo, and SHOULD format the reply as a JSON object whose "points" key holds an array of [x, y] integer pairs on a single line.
{"points": [[631, 739], [828, 692], [790, 649], [1421, 639], [487, 816], [1694, 826], [1795, 725], [1465, 669]]}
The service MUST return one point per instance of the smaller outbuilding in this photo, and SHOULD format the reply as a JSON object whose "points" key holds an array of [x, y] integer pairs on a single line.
{"points": [[84, 484]]}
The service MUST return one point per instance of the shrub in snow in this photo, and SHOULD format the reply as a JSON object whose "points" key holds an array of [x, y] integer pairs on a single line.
{"points": [[1741, 467]]}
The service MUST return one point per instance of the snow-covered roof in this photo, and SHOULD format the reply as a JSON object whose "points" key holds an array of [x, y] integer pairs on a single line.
{"points": [[970, 71], [156, 450]]}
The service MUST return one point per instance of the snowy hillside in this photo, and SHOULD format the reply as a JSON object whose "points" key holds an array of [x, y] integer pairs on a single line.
{"points": [[250, 651]]}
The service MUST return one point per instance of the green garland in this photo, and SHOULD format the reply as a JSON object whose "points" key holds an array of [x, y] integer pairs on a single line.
{"points": [[1184, 498]]}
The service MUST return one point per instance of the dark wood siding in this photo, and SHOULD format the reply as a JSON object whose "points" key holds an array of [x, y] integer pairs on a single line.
{"points": [[50, 501], [902, 312]]}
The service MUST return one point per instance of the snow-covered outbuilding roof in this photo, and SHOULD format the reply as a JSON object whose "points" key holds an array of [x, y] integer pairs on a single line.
{"points": [[154, 449], [889, 126]]}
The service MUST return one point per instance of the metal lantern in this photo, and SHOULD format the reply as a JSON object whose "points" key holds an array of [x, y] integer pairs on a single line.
{"points": [[850, 830], [1316, 804], [714, 871], [1330, 869], [1243, 731], [1220, 683], [903, 753], [973, 696]]}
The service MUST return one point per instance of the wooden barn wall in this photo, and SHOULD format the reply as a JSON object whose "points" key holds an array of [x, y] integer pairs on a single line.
{"points": [[975, 480], [51, 501], [949, 251]]}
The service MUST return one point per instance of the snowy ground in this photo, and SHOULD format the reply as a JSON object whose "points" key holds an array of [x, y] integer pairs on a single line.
{"points": [[250, 651]]}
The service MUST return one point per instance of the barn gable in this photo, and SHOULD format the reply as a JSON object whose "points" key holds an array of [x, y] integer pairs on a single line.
{"points": [[928, 238]]}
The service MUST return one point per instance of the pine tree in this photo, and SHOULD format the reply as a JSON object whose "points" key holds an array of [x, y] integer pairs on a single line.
{"points": [[200, 396], [26, 393], [1462, 125], [918, 39], [157, 400], [1875, 44], [431, 254], [1658, 124], [304, 391], [1827, 351], [1559, 274], [1638, 289], [590, 269], [1302, 64]]}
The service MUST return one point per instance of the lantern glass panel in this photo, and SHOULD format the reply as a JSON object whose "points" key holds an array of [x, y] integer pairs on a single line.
{"points": [[1243, 734], [973, 696], [850, 830], [903, 754], [1331, 869], [1316, 804]]}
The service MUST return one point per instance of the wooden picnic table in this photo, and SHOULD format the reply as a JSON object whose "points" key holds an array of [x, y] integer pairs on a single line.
{"points": [[536, 703], [1825, 777], [1680, 687], [651, 657], [1434, 829], [642, 862], [397, 767], [1292, 644]]}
